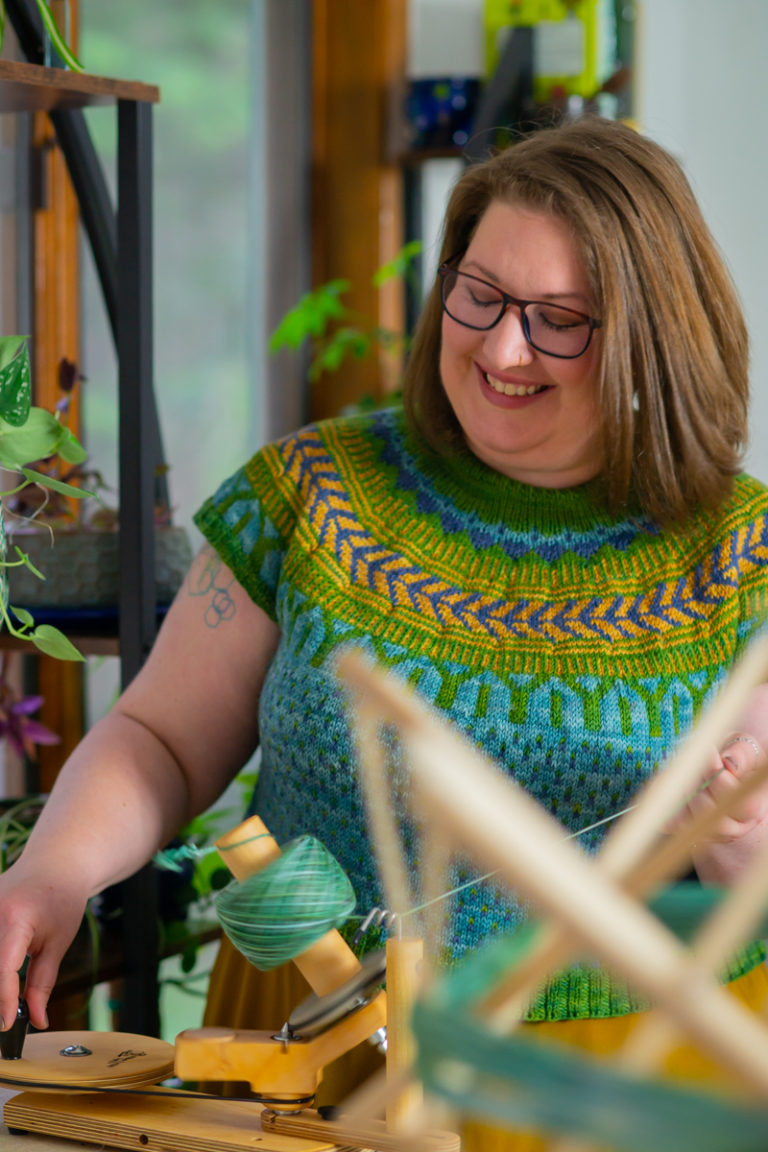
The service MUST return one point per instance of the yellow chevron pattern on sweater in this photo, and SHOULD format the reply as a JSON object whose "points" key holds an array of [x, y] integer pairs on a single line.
{"points": [[413, 583]]}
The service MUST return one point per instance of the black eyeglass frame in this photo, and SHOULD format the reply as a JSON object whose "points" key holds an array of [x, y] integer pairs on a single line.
{"points": [[506, 301]]}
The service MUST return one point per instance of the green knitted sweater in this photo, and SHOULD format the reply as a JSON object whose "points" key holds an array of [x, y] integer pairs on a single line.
{"points": [[572, 646]]}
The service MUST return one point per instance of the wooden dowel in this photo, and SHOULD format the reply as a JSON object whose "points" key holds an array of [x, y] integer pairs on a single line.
{"points": [[435, 857], [248, 848], [404, 959], [731, 923], [670, 788], [507, 830], [506, 1003], [382, 824], [736, 917]]}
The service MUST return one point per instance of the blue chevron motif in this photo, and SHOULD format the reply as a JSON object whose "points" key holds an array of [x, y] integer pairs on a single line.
{"points": [[375, 565]]}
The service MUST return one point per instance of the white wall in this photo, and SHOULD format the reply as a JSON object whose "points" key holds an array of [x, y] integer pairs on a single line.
{"points": [[279, 206], [703, 92]]}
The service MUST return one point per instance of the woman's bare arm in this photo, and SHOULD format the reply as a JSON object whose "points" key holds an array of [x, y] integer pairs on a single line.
{"points": [[173, 741]]}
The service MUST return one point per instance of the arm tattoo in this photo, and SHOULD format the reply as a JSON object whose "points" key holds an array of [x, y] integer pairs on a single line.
{"points": [[207, 579]]}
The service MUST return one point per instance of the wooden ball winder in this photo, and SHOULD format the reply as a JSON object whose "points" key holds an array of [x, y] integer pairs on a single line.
{"points": [[105, 1088]]}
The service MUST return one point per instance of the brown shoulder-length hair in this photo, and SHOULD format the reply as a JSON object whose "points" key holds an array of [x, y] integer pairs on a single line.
{"points": [[673, 374]]}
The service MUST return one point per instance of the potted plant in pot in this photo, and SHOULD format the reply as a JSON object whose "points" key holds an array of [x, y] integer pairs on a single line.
{"points": [[27, 434], [75, 542]]}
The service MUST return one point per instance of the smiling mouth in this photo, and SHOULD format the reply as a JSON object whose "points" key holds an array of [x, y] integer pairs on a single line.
{"points": [[507, 389]]}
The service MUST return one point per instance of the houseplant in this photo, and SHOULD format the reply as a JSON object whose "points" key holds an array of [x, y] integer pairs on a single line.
{"points": [[76, 542], [28, 434], [52, 31], [336, 333]]}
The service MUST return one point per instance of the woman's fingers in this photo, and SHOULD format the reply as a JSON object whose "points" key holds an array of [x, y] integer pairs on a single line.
{"points": [[740, 755], [37, 925]]}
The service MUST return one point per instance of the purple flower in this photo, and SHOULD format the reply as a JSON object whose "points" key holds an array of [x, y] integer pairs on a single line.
{"points": [[16, 725]]}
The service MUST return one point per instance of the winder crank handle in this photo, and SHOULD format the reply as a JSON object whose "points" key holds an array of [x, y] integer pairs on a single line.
{"points": [[12, 1041]]}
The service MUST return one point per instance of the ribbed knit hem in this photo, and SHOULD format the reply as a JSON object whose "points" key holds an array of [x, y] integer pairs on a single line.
{"points": [[586, 993]]}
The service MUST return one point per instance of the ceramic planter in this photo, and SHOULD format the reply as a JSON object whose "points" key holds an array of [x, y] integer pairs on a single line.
{"points": [[81, 568]]}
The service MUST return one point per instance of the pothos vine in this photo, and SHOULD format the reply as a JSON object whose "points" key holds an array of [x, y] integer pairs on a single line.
{"points": [[29, 434], [52, 28]]}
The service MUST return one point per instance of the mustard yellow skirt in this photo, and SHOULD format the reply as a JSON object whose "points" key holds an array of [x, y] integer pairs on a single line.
{"points": [[242, 997]]}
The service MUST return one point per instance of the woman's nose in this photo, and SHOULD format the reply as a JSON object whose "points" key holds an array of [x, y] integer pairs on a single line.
{"points": [[506, 344]]}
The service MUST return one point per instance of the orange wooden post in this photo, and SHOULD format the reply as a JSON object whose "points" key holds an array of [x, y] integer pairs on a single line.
{"points": [[56, 335], [358, 82]]}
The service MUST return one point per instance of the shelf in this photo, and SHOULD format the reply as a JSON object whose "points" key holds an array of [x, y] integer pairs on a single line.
{"points": [[90, 642], [119, 229], [32, 88], [95, 632], [414, 157]]}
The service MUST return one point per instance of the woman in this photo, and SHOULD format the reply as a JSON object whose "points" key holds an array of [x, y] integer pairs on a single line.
{"points": [[552, 543]]}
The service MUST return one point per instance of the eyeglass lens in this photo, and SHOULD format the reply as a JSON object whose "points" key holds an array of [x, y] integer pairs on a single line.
{"points": [[473, 302]]}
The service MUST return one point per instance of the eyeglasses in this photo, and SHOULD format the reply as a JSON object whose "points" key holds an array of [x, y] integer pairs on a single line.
{"points": [[548, 328]]}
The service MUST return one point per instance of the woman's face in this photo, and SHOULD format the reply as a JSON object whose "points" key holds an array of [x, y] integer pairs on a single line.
{"points": [[530, 416]]}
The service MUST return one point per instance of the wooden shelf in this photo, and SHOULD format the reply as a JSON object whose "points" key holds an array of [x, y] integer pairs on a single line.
{"points": [[93, 635], [90, 643], [119, 230], [32, 88], [413, 157]]}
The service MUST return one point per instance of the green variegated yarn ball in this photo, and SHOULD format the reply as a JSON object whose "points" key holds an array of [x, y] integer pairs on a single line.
{"points": [[280, 911]]}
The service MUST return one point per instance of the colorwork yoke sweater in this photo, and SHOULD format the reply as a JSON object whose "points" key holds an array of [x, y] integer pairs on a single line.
{"points": [[573, 647]]}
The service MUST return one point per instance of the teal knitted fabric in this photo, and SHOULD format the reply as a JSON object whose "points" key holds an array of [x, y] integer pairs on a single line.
{"points": [[573, 647]]}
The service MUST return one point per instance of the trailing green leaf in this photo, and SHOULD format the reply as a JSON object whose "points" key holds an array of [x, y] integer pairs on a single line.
{"points": [[23, 616], [41, 435], [58, 41], [56, 484], [15, 380], [52, 642], [70, 448], [24, 562], [9, 346], [45, 637]]}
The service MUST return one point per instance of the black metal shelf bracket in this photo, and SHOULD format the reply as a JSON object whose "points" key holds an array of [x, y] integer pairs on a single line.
{"points": [[121, 242]]}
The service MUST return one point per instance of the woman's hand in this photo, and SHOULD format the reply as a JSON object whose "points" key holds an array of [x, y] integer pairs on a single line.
{"points": [[736, 837], [739, 834], [39, 918]]}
